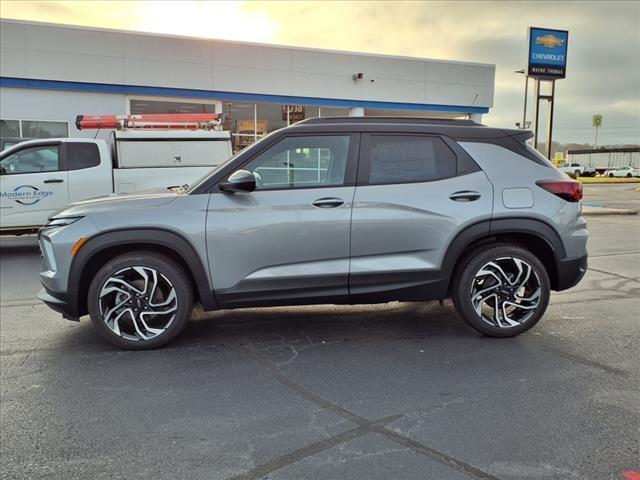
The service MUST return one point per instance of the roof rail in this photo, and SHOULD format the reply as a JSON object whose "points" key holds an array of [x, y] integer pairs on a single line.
{"points": [[405, 120]]}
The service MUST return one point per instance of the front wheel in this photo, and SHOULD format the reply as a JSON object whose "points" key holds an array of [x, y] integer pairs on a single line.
{"points": [[628, 175], [140, 300], [611, 175], [501, 291]]}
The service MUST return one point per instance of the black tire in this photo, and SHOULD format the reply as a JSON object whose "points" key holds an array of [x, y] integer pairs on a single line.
{"points": [[611, 175], [463, 282], [628, 175], [172, 282]]}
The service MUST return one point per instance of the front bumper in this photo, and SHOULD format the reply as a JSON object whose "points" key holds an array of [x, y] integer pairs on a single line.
{"points": [[60, 305], [570, 272]]}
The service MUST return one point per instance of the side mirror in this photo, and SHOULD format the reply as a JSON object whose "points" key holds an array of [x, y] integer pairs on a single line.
{"points": [[239, 181]]}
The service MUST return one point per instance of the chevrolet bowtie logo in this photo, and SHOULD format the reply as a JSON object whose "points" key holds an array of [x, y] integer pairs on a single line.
{"points": [[549, 41]]}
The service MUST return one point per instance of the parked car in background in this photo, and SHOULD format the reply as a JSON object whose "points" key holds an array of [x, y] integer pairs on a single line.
{"points": [[329, 210], [577, 170], [625, 172], [38, 177]]}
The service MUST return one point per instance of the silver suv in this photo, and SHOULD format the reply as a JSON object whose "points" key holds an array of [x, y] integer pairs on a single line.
{"points": [[329, 210]]}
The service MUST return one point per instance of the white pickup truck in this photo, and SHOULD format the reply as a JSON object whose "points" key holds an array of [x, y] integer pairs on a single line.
{"points": [[577, 170], [38, 177]]}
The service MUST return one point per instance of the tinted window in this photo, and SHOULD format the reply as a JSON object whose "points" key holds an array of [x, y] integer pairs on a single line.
{"points": [[31, 160], [9, 128], [82, 155], [296, 162], [405, 159], [44, 129]]}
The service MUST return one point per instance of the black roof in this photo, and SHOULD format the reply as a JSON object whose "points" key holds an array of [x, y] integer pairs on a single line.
{"points": [[390, 120]]}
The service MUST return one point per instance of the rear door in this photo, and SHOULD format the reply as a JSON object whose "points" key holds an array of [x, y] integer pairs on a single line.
{"points": [[33, 184], [287, 241], [415, 193]]}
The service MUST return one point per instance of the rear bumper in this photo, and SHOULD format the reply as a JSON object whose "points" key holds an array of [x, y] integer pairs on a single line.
{"points": [[570, 272], [57, 303]]}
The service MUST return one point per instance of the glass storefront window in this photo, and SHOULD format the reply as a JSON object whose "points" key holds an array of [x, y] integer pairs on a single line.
{"points": [[271, 116], [334, 112], [240, 120], [9, 128], [142, 106], [44, 129]]}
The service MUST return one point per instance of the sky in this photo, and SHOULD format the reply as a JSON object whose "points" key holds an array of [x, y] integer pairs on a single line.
{"points": [[603, 72]]}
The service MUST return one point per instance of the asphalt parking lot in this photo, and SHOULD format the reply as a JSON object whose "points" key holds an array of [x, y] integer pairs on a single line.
{"points": [[395, 391]]}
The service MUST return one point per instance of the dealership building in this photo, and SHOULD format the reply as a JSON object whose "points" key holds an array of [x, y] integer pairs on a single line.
{"points": [[51, 73]]}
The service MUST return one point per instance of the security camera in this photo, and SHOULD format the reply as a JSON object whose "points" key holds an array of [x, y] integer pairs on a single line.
{"points": [[357, 76]]}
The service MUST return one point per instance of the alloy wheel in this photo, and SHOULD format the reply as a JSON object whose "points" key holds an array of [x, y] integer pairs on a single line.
{"points": [[506, 292], [138, 303]]}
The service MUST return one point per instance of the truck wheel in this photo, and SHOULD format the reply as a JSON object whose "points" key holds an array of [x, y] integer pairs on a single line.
{"points": [[140, 300], [628, 175], [611, 175], [501, 291]]}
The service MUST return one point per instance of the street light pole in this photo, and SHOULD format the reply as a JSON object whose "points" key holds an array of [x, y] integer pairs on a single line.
{"points": [[526, 88]]}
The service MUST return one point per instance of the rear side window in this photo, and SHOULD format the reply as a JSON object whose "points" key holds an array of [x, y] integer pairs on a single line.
{"points": [[82, 155], [409, 159]]}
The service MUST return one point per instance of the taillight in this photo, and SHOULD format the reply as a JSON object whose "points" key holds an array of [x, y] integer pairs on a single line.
{"points": [[569, 190]]}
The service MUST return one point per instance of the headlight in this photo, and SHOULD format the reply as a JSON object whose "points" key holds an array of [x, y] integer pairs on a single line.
{"points": [[61, 222]]}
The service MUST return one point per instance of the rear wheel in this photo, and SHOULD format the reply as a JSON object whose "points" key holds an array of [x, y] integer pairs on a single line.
{"points": [[501, 291], [628, 175], [140, 300], [611, 175]]}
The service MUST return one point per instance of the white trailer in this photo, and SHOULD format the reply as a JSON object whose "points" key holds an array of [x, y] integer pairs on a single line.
{"points": [[606, 158]]}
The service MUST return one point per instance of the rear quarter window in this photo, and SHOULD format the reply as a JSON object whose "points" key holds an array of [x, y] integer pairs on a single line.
{"points": [[409, 159], [82, 155]]}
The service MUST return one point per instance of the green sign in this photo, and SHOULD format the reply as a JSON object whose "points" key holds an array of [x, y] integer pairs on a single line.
{"points": [[597, 121]]}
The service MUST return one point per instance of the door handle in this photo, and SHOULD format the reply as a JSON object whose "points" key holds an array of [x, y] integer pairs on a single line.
{"points": [[53, 180], [465, 196], [328, 202]]}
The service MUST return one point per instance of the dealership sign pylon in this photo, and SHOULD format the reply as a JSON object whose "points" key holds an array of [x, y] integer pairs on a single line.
{"points": [[547, 62]]}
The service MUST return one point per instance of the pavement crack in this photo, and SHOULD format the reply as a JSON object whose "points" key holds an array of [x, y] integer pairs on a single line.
{"points": [[312, 449], [369, 426], [613, 254], [623, 277], [585, 361]]}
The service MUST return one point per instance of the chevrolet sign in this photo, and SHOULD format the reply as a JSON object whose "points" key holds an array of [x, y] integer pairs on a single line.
{"points": [[547, 53]]}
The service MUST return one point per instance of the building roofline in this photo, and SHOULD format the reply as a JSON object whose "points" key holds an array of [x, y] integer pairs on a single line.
{"points": [[238, 42]]}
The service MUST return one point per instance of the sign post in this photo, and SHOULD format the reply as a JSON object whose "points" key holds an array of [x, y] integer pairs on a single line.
{"points": [[597, 123], [547, 62]]}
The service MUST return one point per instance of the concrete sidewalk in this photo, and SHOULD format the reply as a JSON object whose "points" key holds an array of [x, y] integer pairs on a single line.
{"points": [[589, 211]]}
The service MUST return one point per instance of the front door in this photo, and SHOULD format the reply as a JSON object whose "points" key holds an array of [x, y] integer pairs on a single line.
{"points": [[286, 242], [413, 197], [33, 184]]}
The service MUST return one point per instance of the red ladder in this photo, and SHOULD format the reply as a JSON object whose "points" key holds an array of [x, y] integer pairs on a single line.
{"points": [[160, 121]]}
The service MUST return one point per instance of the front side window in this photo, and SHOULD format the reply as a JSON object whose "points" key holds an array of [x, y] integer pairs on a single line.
{"points": [[409, 159], [298, 162], [32, 160]]}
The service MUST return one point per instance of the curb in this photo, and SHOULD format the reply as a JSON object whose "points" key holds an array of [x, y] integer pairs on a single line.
{"points": [[597, 211]]}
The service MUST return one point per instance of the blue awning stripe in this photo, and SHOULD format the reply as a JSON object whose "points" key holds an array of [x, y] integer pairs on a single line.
{"points": [[218, 95]]}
